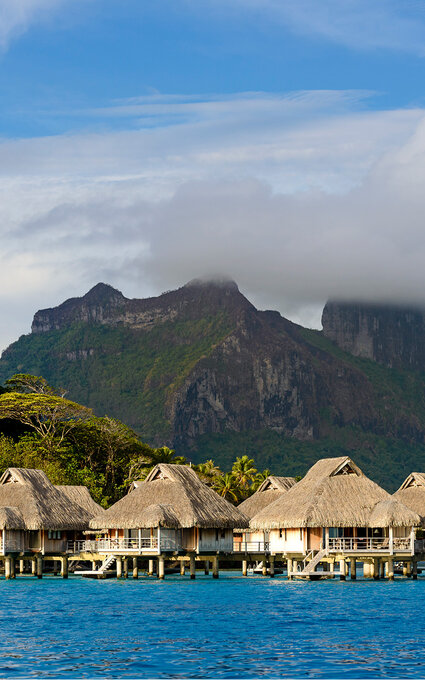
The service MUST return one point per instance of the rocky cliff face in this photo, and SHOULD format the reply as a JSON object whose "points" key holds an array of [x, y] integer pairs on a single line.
{"points": [[202, 360], [107, 306], [264, 377], [392, 336]]}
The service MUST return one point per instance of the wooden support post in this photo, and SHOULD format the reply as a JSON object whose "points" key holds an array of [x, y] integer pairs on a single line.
{"points": [[289, 568], [264, 568], [55, 567], [366, 569], [192, 567], [390, 569], [135, 568], [294, 566], [342, 570], [376, 569], [39, 559], [215, 567], [206, 567], [33, 566], [409, 569], [7, 567], [119, 566], [64, 566], [93, 565], [161, 568], [244, 567], [12, 567], [271, 566], [382, 568], [150, 568], [21, 566], [353, 568], [405, 568], [415, 570], [332, 568], [182, 568], [125, 567]]}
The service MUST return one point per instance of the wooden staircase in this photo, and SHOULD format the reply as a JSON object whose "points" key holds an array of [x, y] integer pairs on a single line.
{"points": [[309, 570]]}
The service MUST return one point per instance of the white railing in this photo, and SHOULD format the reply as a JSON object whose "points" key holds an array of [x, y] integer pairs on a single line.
{"points": [[115, 545], [251, 546], [361, 544]]}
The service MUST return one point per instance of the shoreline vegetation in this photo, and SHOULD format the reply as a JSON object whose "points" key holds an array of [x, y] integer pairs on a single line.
{"points": [[40, 428]]}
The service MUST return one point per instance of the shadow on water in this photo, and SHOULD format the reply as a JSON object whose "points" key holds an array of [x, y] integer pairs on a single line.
{"points": [[231, 628]]}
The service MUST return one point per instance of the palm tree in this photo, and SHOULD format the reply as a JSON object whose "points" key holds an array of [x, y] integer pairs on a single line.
{"points": [[141, 467], [208, 472], [260, 477], [227, 487], [244, 471]]}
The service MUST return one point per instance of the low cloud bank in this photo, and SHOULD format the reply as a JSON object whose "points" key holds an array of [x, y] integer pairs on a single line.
{"points": [[326, 206]]}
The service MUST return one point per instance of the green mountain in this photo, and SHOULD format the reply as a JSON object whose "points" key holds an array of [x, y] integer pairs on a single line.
{"points": [[202, 370]]}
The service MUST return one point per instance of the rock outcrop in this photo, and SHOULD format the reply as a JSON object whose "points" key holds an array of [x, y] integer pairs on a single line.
{"points": [[390, 335], [203, 360]]}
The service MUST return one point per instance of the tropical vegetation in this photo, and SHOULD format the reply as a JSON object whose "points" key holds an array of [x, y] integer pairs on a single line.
{"points": [[41, 428]]}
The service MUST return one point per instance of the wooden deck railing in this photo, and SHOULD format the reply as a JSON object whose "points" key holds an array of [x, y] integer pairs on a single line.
{"points": [[366, 544], [251, 546], [115, 545]]}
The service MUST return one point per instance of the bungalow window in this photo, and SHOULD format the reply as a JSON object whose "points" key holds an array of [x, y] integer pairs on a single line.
{"points": [[301, 534], [280, 533], [54, 534]]}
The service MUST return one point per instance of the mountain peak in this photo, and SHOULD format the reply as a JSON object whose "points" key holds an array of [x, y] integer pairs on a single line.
{"points": [[102, 292], [223, 282]]}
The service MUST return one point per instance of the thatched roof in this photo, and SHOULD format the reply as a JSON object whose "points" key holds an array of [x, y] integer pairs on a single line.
{"points": [[334, 493], [193, 503], [392, 513], [11, 518], [158, 516], [271, 489], [81, 496], [412, 494], [41, 505]]}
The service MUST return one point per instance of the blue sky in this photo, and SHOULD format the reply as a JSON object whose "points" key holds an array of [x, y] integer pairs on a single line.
{"points": [[280, 142], [88, 54]]}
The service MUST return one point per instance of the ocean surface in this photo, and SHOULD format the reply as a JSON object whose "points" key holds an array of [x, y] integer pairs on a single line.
{"points": [[234, 627]]}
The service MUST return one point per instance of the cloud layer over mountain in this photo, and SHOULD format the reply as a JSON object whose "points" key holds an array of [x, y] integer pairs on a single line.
{"points": [[297, 198]]}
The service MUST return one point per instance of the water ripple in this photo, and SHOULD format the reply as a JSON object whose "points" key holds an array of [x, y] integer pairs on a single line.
{"points": [[231, 628]]}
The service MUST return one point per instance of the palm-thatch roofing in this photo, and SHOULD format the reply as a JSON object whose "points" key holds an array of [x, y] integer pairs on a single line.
{"points": [[11, 518], [334, 493], [412, 494], [271, 489], [81, 496], [158, 516], [392, 513], [193, 503], [41, 505]]}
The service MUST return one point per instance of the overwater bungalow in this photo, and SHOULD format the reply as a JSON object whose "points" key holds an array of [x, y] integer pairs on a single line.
{"points": [[336, 510], [269, 491], [37, 517], [172, 511], [412, 494]]}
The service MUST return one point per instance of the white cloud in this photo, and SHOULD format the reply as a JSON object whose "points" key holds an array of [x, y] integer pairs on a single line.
{"points": [[295, 197], [358, 24], [17, 15]]}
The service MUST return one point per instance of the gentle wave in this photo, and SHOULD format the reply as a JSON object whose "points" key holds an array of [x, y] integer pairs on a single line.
{"points": [[235, 627]]}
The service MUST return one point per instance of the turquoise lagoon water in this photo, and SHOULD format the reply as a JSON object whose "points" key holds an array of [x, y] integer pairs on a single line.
{"points": [[235, 627]]}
